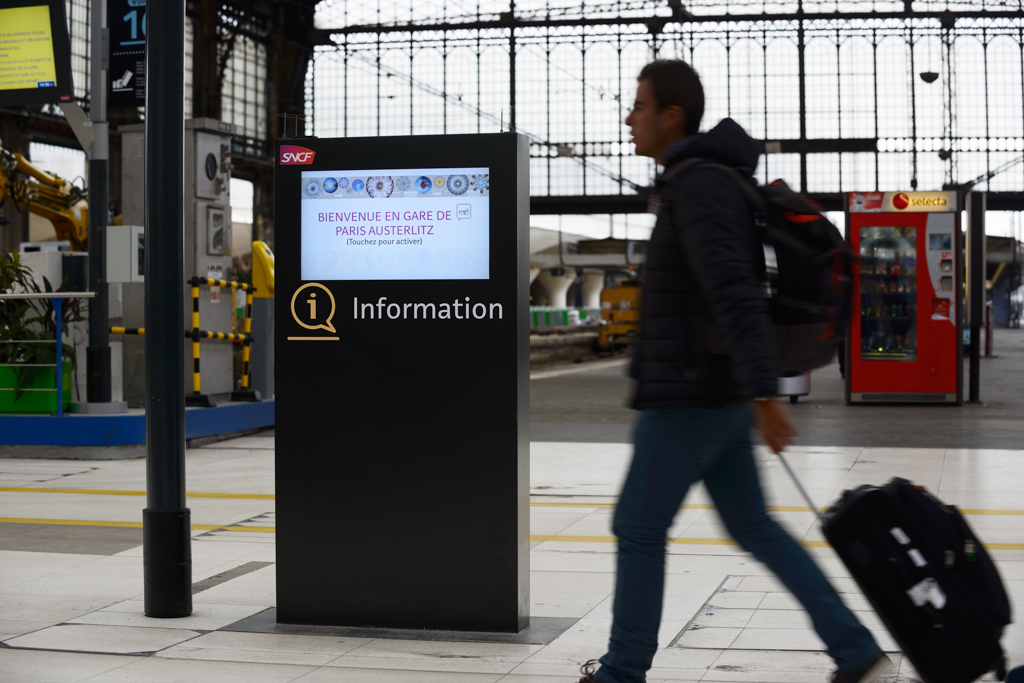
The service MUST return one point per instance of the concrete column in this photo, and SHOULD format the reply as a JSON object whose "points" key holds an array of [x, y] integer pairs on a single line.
{"points": [[593, 283], [556, 286]]}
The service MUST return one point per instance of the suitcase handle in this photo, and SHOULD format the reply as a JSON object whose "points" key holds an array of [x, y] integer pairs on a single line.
{"points": [[803, 491]]}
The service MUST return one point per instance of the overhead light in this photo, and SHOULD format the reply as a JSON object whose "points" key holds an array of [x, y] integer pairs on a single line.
{"points": [[929, 76]]}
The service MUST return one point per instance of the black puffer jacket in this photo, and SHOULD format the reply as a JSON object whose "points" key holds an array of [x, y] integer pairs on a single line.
{"points": [[701, 268]]}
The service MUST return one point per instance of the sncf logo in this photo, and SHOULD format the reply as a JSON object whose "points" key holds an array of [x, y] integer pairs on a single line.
{"points": [[291, 154]]}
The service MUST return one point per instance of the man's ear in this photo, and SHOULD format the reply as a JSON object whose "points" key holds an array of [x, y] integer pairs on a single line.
{"points": [[674, 118]]}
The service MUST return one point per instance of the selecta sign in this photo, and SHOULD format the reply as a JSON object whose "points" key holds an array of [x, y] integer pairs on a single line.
{"points": [[902, 202], [292, 154]]}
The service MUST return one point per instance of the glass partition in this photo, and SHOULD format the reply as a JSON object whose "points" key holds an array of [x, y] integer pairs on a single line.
{"points": [[888, 293]]}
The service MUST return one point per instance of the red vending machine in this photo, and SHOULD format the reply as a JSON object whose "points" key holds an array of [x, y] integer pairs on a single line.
{"points": [[905, 338]]}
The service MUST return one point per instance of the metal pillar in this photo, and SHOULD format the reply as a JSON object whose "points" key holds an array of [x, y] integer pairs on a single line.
{"points": [[976, 205], [97, 354], [166, 541]]}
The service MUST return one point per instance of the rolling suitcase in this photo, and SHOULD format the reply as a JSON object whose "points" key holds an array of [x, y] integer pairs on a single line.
{"points": [[926, 574]]}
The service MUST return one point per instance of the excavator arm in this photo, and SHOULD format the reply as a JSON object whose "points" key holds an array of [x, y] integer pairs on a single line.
{"points": [[30, 189]]}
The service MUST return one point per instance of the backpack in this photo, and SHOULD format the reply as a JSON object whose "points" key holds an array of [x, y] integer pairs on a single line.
{"points": [[805, 266]]}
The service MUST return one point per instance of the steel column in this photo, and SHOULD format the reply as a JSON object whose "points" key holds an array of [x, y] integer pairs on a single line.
{"points": [[167, 552], [97, 354], [975, 285]]}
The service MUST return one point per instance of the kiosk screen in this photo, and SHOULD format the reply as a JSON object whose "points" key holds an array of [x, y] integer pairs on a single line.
{"points": [[409, 224]]}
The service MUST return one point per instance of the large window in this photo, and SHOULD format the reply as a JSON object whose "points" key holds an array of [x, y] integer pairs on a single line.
{"points": [[843, 101], [78, 30], [244, 91]]}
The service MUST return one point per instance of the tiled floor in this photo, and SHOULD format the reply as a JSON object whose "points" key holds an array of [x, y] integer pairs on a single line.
{"points": [[77, 616]]}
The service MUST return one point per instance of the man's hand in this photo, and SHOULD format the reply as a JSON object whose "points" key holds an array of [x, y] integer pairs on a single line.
{"points": [[772, 419]]}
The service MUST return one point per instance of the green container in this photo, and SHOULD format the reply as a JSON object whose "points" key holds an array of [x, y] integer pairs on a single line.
{"points": [[41, 402]]}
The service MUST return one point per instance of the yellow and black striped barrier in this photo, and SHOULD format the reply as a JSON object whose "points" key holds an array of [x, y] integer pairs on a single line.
{"points": [[245, 394], [223, 336], [213, 282], [197, 398]]}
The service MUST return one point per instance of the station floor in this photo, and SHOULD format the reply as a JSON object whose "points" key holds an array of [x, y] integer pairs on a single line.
{"points": [[71, 558]]}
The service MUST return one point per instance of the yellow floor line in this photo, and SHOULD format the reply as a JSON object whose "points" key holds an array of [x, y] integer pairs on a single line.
{"points": [[127, 525], [535, 538], [114, 492], [536, 504]]}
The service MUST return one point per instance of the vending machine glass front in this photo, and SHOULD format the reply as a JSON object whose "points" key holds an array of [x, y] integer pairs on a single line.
{"points": [[888, 293]]}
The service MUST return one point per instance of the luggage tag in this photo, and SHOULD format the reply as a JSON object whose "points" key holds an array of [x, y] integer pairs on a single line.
{"points": [[927, 591]]}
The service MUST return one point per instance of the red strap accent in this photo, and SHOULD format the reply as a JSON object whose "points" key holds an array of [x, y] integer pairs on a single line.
{"points": [[801, 217]]}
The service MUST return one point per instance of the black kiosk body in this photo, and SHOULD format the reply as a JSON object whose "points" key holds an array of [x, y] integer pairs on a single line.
{"points": [[402, 372]]}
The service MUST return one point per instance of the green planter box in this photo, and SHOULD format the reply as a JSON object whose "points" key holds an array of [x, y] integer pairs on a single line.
{"points": [[44, 402]]}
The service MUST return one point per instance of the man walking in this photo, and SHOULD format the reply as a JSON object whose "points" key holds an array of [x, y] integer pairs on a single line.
{"points": [[697, 407]]}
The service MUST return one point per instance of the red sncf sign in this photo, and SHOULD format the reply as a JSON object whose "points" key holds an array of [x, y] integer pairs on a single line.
{"points": [[292, 154]]}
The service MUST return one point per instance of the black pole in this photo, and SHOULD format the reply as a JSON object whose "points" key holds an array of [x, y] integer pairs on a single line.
{"points": [[97, 353], [166, 540], [976, 276], [801, 47]]}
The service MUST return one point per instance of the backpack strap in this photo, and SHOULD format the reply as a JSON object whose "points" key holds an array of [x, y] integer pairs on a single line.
{"points": [[749, 192]]}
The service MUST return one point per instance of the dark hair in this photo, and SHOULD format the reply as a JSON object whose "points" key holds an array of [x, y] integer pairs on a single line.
{"points": [[676, 83]]}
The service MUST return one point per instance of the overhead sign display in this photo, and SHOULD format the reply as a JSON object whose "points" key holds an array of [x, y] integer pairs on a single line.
{"points": [[902, 202], [127, 73], [35, 65], [407, 224]]}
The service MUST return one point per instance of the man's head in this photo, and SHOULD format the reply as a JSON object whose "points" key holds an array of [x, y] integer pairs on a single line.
{"points": [[669, 106]]}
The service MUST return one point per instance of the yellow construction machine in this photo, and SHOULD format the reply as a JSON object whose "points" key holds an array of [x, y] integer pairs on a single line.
{"points": [[30, 189], [620, 315]]}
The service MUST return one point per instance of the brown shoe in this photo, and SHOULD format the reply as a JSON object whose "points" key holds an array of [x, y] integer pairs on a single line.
{"points": [[588, 670]]}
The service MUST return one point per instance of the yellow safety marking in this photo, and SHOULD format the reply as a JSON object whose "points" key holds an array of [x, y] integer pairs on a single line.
{"points": [[535, 539], [992, 512], [271, 496], [129, 525], [726, 541], [111, 492]]}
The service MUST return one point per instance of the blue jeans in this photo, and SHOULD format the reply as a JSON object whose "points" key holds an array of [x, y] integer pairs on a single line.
{"points": [[674, 449]]}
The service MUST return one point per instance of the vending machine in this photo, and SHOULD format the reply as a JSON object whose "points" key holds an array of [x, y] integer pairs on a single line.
{"points": [[904, 343]]}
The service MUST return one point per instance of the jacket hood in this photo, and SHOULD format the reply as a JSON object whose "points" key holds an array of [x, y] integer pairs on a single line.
{"points": [[727, 143]]}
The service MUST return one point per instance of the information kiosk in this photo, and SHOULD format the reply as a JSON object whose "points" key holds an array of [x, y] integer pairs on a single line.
{"points": [[906, 322], [402, 379]]}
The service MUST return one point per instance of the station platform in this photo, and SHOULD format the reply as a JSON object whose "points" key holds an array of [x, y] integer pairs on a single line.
{"points": [[71, 577], [119, 436]]}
